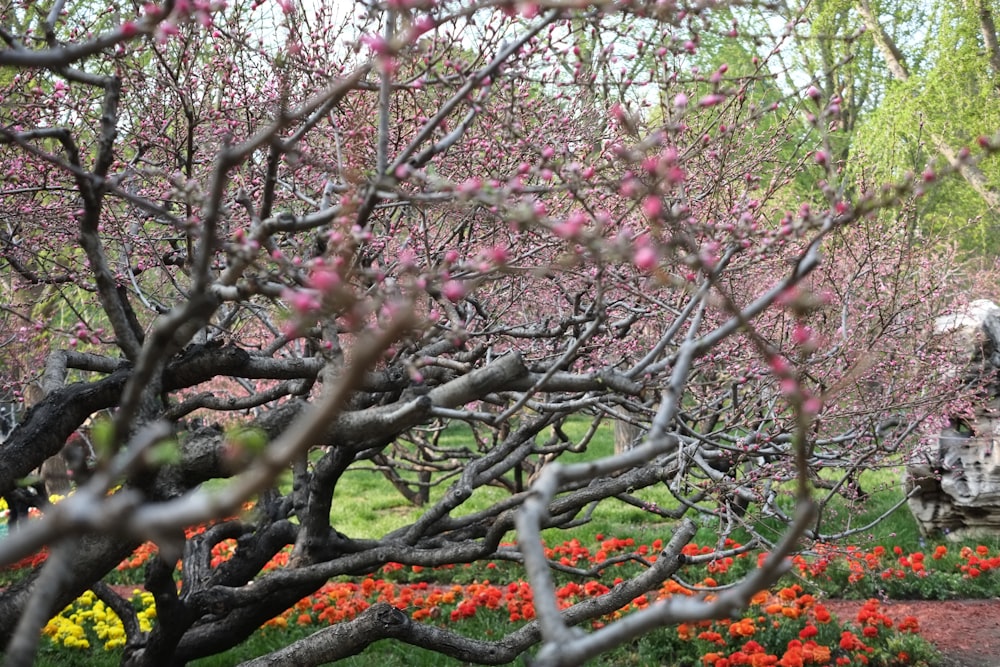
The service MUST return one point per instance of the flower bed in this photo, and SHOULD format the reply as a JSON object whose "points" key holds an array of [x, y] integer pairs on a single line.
{"points": [[787, 626]]}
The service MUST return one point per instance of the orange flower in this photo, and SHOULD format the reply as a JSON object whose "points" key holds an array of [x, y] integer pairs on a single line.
{"points": [[742, 628], [821, 614], [940, 552], [816, 654], [792, 658], [789, 593], [790, 612], [713, 637], [849, 642]]}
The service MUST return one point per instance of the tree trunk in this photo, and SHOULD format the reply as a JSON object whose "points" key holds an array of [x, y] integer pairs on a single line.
{"points": [[627, 435]]}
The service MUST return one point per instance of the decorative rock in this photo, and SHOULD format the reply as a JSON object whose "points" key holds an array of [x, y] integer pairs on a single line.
{"points": [[954, 488]]}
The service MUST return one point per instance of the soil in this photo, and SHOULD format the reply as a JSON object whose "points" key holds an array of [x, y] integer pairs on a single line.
{"points": [[966, 632]]}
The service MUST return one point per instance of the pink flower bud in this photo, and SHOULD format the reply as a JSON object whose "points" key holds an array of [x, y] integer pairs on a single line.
{"points": [[453, 290], [645, 258], [652, 206], [711, 100], [801, 334]]}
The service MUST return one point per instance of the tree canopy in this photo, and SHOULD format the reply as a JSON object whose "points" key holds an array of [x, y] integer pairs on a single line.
{"points": [[250, 246]]}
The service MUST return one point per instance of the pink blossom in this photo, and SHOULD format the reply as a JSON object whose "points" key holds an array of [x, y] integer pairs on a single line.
{"points": [[301, 301], [812, 405], [324, 280], [711, 100], [645, 258], [675, 175], [376, 43], [801, 334], [680, 101], [652, 206], [471, 186], [779, 365], [571, 226], [453, 290], [166, 29]]}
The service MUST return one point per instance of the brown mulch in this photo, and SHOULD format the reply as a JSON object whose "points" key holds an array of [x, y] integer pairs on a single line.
{"points": [[966, 632]]}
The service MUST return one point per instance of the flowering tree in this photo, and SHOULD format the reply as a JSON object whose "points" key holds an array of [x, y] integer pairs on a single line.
{"points": [[265, 238]]}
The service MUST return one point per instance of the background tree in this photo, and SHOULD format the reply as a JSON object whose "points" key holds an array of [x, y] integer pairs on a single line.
{"points": [[278, 243]]}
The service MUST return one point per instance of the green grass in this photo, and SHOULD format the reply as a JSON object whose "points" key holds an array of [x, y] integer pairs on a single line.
{"points": [[367, 506]]}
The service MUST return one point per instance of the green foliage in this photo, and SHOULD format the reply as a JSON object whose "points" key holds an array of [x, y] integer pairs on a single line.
{"points": [[950, 98], [102, 435], [245, 442]]}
